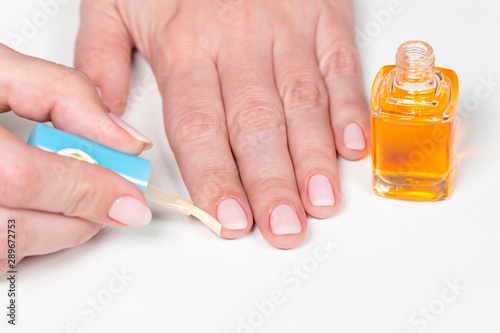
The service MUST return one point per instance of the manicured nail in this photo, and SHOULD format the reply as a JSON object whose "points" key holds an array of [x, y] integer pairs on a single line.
{"points": [[353, 137], [284, 220], [321, 191], [99, 91], [132, 131], [231, 215], [130, 211]]}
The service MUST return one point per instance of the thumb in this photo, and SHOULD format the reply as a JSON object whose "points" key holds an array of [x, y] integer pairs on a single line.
{"points": [[103, 52], [34, 179]]}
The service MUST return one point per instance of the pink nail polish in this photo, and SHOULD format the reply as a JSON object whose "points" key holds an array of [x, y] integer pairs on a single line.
{"points": [[231, 215], [353, 137], [284, 221], [130, 211], [321, 191], [132, 131]]}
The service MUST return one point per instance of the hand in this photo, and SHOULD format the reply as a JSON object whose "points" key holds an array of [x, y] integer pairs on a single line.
{"points": [[59, 202], [275, 83]]}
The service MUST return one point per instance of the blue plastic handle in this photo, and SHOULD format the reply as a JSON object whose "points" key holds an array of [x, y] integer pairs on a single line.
{"points": [[133, 168]]}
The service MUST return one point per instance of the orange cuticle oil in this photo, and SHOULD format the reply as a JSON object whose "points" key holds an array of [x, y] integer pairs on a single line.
{"points": [[414, 110]]}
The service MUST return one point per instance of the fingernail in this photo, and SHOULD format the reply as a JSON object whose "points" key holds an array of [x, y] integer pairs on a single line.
{"points": [[132, 131], [130, 211], [284, 220], [99, 91], [231, 215], [353, 137], [321, 191]]}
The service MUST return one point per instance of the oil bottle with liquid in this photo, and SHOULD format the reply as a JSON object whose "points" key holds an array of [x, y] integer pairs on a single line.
{"points": [[414, 110]]}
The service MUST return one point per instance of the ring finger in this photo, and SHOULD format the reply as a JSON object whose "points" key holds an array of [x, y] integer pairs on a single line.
{"points": [[305, 100]]}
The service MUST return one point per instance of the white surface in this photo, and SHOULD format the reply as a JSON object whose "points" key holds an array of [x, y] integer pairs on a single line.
{"points": [[393, 257]]}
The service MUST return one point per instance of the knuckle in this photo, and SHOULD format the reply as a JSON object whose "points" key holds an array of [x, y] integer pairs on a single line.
{"points": [[215, 182], [78, 78], [184, 49], [254, 148], [75, 74], [83, 196], [230, 9], [266, 181], [342, 59], [257, 119], [89, 231], [351, 103], [219, 175], [17, 179], [181, 47], [197, 122], [303, 93], [74, 79]]}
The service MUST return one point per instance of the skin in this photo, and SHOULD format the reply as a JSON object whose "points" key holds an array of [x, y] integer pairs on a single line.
{"points": [[57, 202], [256, 94]]}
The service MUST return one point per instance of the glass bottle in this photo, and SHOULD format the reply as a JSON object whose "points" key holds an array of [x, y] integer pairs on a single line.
{"points": [[414, 111]]}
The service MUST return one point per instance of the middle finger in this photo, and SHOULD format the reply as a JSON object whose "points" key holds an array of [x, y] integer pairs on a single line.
{"points": [[257, 131]]}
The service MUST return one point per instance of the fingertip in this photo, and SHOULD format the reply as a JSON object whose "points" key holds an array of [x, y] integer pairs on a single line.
{"points": [[235, 220], [286, 227], [93, 122], [130, 211], [233, 234], [354, 141], [353, 137], [147, 143], [324, 197], [287, 242]]}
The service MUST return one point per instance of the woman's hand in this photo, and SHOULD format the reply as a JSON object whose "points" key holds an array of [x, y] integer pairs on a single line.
{"points": [[59, 202], [258, 98]]}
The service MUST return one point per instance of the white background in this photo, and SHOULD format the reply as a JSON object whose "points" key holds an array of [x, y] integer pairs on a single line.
{"points": [[393, 258]]}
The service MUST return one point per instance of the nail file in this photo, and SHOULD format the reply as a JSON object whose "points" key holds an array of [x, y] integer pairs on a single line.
{"points": [[135, 169]]}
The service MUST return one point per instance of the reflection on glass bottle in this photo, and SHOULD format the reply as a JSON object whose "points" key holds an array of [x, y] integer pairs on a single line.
{"points": [[414, 112]]}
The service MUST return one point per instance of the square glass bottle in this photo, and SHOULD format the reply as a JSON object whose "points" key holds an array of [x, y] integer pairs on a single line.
{"points": [[414, 110]]}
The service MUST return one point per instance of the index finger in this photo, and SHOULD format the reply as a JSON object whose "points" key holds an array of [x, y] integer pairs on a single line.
{"points": [[44, 91]]}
